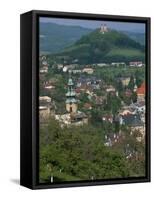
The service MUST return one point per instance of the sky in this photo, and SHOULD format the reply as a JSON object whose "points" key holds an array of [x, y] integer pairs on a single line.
{"points": [[93, 24]]}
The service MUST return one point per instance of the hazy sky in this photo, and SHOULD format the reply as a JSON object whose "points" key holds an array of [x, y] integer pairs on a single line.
{"points": [[93, 24]]}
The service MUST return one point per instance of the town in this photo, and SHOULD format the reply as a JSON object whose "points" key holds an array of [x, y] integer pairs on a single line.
{"points": [[83, 94], [93, 113]]}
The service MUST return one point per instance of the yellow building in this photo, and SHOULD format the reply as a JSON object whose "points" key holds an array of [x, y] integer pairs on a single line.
{"points": [[125, 81]]}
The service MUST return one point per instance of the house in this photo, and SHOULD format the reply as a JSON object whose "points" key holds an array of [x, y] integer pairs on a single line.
{"points": [[83, 81], [88, 70], [141, 92], [59, 66], [99, 100], [136, 64], [70, 119], [65, 68], [90, 92], [118, 64], [69, 67], [110, 88], [76, 71], [44, 99], [87, 106], [95, 83], [79, 118], [44, 113], [127, 110], [46, 108], [134, 122], [77, 91], [47, 85], [139, 106], [124, 80], [64, 119], [102, 64], [44, 62], [43, 57], [85, 88], [44, 69]]}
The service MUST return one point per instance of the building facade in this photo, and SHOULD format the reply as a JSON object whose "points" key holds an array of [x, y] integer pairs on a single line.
{"points": [[71, 101]]}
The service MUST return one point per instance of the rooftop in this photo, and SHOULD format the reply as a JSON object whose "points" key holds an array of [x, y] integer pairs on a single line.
{"points": [[45, 98], [141, 89], [132, 120]]}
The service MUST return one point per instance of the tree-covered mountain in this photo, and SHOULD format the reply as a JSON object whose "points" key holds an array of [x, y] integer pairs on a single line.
{"points": [[112, 46], [54, 37], [137, 36]]}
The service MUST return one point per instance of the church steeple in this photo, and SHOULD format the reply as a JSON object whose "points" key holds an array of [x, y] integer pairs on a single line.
{"points": [[71, 101]]}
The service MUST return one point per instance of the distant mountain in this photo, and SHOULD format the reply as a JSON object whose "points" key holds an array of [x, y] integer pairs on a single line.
{"points": [[112, 46], [54, 37], [138, 37]]}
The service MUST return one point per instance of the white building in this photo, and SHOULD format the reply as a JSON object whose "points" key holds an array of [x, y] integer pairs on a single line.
{"points": [[88, 70]]}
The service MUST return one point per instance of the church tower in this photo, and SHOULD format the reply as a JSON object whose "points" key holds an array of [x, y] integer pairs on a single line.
{"points": [[71, 101]]}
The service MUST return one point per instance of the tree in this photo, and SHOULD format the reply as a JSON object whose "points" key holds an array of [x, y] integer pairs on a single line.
{"points": [[113, 104], [119, 86], [134, 97], [140, 77], [77, 154], [131, 83]]}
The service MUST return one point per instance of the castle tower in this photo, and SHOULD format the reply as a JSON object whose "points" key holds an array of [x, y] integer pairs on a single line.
{"points": [[71, 101], [103, 28]]}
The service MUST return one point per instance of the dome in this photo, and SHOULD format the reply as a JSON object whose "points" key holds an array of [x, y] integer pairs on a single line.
{"points": [[70, 82]]}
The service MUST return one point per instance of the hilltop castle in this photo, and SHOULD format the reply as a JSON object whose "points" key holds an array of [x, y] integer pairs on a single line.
{"points": [[104, 28]]}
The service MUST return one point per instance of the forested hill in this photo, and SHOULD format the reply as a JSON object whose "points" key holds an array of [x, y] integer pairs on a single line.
{"points": [[55, 37], [112, 46]]}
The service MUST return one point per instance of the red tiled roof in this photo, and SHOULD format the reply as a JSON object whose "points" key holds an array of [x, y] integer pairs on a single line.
{"points": [[141, 89]]}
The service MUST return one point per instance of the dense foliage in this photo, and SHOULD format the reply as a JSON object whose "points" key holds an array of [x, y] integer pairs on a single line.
{"points": [[112, 46], [55, 37], [79, 154]]}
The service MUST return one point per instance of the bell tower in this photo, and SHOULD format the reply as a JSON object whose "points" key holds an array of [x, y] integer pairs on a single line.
{"points": [[71, 101]]}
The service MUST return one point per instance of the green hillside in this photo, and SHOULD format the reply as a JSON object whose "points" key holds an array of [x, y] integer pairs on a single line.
{"points": [[111, 46], [54, 38], [138, 37]]}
